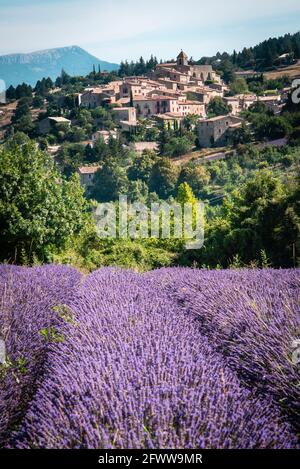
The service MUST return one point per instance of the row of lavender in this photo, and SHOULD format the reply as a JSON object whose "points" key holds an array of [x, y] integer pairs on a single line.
{"points": [[171, 359], [252, 317]]}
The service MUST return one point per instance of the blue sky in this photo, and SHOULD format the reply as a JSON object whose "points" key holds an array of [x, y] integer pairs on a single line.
{"points": [[118, 29]]}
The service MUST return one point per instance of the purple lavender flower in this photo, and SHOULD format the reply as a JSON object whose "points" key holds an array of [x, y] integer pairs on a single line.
{"points": [[176, 358]]}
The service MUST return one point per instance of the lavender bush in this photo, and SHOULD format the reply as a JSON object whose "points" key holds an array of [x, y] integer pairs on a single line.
{"points": [[161, 360], [252, 318], [27, 299]]}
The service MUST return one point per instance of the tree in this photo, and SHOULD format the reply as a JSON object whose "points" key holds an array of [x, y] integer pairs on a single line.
{"points": [[64, 79], [39, 211], [241, 136], [270, 127], [239, 86], [110, 182], [138, 191], [163, 178], [141, 168], [185, 194], [11, 93], [196, 176], [190, 122], [218, 107], [262, 215], [22, 110], [227, 71], [37, 102], [70, 157], [178, 146]]}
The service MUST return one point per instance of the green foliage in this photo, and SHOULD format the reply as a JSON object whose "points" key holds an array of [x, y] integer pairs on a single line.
{"points": [[70, 157], [185, 194], [239, 86], [50, 334], [178, 146], [264, 56], [65, 313], [140, 67], [218, 107], [39, 211], [163, 178], [141, 168], [110, 181], [261, 221], [16, 367], [196, 176]]}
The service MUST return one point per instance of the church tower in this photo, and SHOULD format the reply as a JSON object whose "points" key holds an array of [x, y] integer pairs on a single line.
{"points": [[182, 60]]}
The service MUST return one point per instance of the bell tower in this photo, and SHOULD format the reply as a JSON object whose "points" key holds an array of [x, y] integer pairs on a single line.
{"points": [[182, 59]]}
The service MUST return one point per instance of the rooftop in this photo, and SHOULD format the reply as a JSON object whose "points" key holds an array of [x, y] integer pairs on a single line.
{"points": [[141, 146], [88, 169], [215, 119], [59, 119], [196, 103]]}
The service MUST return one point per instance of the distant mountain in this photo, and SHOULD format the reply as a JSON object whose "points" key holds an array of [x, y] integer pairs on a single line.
{"points": [[29, 68]]}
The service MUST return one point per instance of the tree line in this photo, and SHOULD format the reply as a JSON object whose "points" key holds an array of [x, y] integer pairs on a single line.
{"points": [[261, 57]]}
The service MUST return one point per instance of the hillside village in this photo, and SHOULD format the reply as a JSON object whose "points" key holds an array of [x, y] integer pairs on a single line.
{"points": [[167, 96], [173, 96], [222, 130], [149, 232]]}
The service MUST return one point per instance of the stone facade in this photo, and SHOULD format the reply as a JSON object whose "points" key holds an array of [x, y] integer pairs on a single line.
{"points": [[215, 131], [87, 175], [49, 123]]}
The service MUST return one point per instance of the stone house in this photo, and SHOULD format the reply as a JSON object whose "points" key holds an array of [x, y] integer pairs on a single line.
{"points": [[186, 108], [127, 114], [105, 135], [148, 107], [49, 123], [87, 175], [182, 71], [234, 102], [272, 102], [170, 121], [216, 131]]}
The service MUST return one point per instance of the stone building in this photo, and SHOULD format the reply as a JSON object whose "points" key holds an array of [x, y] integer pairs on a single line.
{"points": [[216, 131], [182, 71], [50, 123], [106, 135], [87, 174], [125, 114]]}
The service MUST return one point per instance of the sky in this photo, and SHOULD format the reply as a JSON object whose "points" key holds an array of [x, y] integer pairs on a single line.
{"points": [[116, 30]]}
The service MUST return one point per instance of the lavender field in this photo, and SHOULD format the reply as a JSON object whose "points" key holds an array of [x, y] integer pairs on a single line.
{"points": [[174, 358]]}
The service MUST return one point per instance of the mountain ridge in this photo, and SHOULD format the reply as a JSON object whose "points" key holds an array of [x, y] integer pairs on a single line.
{"points": [[30, 67]]}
